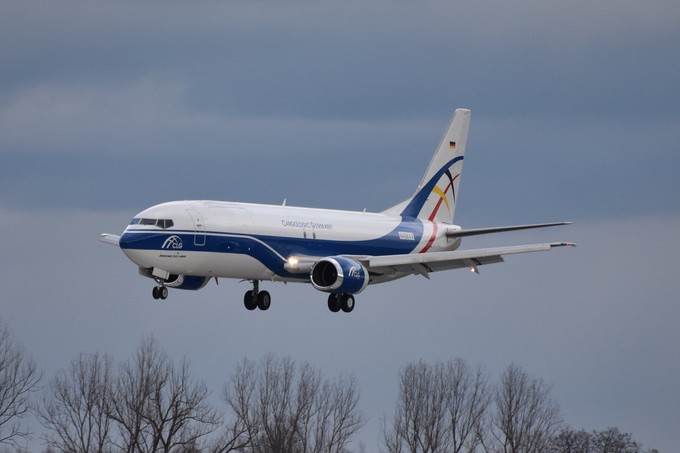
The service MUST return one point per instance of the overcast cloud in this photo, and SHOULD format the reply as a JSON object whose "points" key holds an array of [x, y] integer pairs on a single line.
{"points": [[109, 107]]}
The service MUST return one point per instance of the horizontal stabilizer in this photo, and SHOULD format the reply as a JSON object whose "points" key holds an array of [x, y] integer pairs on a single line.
{"points": [[455, 233]]}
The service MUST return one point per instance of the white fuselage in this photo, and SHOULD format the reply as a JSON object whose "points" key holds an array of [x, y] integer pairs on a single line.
{"points": [[258, 242]]}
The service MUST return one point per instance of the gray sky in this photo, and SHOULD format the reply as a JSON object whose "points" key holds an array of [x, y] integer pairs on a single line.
{"points": [[109, 107]]}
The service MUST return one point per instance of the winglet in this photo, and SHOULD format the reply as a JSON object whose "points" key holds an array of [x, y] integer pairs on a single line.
{"points": [[563, 244]]}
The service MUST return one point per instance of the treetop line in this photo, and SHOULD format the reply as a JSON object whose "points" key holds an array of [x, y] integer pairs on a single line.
{"points": [[151, 403]]}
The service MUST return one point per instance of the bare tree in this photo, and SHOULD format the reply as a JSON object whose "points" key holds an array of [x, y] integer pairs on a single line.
{"points": [[178, 412], [234, 437], [240, 432], [420, 414], [440, 407], [19, 377], [570, 441], [157, 406], [614, 441], [469, 396], [338, 417], [74, 407], [610, 440], [526, 416], [132, 392], [279, 407]]}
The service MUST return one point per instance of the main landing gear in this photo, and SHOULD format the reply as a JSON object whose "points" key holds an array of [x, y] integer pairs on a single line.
{"points": [[337, 302], [255, 298]]}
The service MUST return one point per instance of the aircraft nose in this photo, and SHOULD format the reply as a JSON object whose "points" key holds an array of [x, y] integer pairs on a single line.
{"points": [[126, 241], [130, 245]]}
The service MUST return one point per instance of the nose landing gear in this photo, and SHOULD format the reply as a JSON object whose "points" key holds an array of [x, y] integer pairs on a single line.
{"points": [[160, 292]]}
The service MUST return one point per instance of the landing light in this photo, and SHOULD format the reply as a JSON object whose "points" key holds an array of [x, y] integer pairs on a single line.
{"points": [[296, 264]]}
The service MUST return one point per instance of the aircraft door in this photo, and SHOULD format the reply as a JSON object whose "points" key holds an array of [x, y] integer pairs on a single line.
{"points": [[199, 227]]}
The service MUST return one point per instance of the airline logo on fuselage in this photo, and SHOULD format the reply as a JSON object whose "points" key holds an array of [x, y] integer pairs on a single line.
{"points": [[354, 272], [174, 242]]}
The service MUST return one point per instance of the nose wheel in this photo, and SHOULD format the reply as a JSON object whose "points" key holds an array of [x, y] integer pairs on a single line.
{"points": [[160, 292]]}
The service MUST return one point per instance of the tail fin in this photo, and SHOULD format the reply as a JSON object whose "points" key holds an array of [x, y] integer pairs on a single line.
{"points": [[437, 193]]}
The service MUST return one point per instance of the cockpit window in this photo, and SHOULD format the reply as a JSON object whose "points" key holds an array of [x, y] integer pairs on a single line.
{"points": [[165, 223], [162, 223]]}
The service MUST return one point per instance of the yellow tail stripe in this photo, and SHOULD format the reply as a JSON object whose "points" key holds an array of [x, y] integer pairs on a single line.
{"points": [[439, 192]]}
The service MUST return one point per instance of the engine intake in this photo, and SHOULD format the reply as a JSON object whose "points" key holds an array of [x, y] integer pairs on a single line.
{"points": [[337, 274]]}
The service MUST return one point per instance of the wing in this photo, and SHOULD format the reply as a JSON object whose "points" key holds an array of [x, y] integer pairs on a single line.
{"points": [[425, 263]]}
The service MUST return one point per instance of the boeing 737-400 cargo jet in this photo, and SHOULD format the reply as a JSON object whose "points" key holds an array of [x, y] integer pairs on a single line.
{"points": [[183, 244]]}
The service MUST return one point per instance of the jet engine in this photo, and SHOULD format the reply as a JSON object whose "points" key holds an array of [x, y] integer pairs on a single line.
{"points": [[337, 274], [190, 282], [186, 282]]}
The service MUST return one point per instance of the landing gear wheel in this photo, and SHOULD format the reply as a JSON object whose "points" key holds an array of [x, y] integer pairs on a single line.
{"points": [[334, 302], [249, 300], [255, 298], [347, 302], [264, 300], [159, 292]]}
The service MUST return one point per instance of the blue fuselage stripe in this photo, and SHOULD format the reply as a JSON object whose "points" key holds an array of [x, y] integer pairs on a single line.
{"points": [[272, 251]]}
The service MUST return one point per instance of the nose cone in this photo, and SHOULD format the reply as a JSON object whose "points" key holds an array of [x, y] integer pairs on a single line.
{"points": [[126, 241], [130, 244]]}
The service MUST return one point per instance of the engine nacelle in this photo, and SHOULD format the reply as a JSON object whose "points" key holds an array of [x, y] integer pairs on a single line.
{"points": [[186, 282], [337, 274], [189, 282]]}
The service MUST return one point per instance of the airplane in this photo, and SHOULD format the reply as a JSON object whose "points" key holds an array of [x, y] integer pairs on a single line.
{"points": [[184, 244]]}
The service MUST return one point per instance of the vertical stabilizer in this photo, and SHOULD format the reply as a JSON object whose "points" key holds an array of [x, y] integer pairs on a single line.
{"points": [[437, 193]]}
